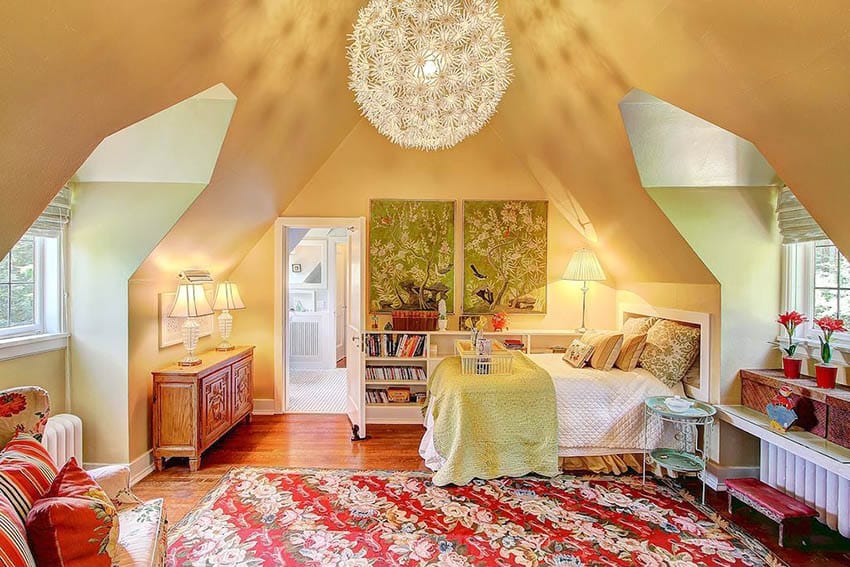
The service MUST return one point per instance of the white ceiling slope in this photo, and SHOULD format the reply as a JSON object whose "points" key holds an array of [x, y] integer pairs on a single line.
{"points": [[674, 148], [177, 145]]}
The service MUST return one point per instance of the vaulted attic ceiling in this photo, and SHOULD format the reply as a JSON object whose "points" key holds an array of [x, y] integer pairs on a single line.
{"points": [[772, 71]]}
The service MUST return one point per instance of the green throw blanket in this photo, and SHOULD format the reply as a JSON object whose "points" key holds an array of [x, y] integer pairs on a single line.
{"points": [[491, 426]]}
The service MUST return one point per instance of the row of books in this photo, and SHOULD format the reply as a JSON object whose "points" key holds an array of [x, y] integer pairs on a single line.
{"points": [[405, 373], [394, 395], [402, 346]]}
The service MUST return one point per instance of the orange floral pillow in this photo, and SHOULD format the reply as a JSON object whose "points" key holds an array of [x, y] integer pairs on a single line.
{"points": [[75, 524], [23, 410]]}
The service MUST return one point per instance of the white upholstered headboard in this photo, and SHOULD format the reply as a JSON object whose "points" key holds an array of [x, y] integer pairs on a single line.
{"points": [[696, 382]]}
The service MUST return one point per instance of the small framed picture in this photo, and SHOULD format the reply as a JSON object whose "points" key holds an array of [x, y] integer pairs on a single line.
{"points": [[296, 268]]}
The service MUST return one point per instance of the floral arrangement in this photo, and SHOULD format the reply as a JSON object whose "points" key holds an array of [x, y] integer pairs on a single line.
{"points": [[790, 321], [500, 321], [828, 325]]}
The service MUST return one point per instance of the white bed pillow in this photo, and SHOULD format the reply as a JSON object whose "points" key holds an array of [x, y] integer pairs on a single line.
{"points": [[606, 348], [671, 349], [578, 353]]}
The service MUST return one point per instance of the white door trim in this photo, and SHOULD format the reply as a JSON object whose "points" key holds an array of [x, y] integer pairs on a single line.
{"points": [[281, 299]]}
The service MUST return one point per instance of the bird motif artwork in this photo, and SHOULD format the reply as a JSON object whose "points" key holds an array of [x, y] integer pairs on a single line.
{"points": [[780, 410], [477, 273]]}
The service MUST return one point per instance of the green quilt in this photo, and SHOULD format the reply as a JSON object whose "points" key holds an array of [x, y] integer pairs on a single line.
{"points": [[491, 426]]}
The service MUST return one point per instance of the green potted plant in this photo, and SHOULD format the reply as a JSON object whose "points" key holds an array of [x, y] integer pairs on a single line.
{"points": [[825, 372], [790, 365]]}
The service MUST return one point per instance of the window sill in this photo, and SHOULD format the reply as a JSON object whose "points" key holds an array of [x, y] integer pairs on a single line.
{"points": [[18, 347]]}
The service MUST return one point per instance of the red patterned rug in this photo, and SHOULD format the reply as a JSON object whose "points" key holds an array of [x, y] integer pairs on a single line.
{"points": [[262, 516]]}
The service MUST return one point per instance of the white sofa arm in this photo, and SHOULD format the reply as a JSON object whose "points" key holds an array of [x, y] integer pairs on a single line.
{"points": [[115, 481]]}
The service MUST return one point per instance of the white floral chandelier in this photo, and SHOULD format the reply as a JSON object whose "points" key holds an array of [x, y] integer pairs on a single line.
{"points": [[429, 73]]}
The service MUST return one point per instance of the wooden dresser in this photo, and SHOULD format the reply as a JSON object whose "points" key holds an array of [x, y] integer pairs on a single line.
{"points": [[194, 406]]}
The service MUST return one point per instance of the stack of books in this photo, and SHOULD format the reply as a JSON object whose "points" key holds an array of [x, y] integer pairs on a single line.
{"points": [[514, 344]]}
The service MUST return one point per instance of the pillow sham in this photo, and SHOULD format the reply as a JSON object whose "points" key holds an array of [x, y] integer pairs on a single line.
{"points": [[13, 538], [26, 473], [75, 523], [671, 349], [578, 353], [630, 352], [606, 348], [638, 325]]}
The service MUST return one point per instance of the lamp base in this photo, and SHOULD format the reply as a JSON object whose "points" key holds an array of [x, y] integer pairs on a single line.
{"points": [[189, 361], [224, 347]]}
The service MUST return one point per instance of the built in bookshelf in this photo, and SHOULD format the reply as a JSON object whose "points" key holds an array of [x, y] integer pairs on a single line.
{"points": [[398, 364]]}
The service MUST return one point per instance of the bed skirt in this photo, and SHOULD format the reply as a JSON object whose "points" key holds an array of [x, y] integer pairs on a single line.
{"points": [[603, 464]]}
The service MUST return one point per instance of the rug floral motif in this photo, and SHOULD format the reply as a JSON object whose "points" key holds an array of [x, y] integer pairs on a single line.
{"points": [[266, 516]]}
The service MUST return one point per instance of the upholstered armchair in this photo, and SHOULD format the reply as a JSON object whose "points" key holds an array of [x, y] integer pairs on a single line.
{"points": [[142, 535]]}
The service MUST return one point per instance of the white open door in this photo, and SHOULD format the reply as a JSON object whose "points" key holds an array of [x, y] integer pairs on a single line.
{"points": [[355, 358]]}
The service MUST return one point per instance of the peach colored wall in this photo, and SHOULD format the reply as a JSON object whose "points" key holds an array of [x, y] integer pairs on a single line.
{"points": [[45, 369], [366, 166]]}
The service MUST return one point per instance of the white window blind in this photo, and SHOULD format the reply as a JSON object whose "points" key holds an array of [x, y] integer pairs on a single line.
{"points": [[57, 214], [795, 222]]}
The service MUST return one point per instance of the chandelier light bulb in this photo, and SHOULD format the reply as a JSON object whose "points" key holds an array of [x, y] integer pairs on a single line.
{"points": [[427, 74]]}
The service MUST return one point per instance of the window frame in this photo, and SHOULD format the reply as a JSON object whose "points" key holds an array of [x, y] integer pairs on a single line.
{"points": [[798, 266], [38, 326]]}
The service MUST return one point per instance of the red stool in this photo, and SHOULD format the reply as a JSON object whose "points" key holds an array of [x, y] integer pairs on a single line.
{"points": [[776, 505]]}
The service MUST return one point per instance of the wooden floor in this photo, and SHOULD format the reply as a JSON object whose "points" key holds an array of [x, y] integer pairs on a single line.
{"points": [[322, 441]]}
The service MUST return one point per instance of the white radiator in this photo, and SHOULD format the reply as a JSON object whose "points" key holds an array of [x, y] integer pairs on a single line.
{"points": [[821, 489], [305, 338], [63, 437]]}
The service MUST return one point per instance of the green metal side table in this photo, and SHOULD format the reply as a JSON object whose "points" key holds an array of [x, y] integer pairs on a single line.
{"points": [[687, 457]]}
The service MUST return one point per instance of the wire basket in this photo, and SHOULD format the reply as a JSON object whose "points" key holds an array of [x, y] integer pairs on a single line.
{"points": [[497, 363]]}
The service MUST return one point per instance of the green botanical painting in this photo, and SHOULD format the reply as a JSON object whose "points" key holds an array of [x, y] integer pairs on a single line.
{"points": [[504, 256], [411, 254]]}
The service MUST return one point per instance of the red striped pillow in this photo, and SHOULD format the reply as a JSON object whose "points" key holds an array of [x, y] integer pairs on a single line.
{"points": [[13, 539], [26, 473]]}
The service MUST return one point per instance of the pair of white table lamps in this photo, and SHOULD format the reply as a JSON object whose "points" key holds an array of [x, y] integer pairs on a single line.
{"points": [[191, 303]]}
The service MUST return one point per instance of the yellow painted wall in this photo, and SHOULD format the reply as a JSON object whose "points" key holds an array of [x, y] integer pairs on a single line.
{"points": [[366, 166], [116, 225], [46, 369]]}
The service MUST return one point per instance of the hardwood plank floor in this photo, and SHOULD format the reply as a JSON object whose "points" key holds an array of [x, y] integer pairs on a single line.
{"points": [[322, 441]]}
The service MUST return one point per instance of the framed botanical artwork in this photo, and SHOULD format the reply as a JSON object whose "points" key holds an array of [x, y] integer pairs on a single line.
{"points": [[171, 328], [411, 254], [504, 256]]}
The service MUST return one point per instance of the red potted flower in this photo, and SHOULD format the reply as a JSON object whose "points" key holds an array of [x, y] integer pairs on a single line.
{"points": [[791, 365], [826, 372]]}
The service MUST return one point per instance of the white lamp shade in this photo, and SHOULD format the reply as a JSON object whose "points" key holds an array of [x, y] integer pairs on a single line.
{"points": [[227, 297], [191, 301], [584, 266]]}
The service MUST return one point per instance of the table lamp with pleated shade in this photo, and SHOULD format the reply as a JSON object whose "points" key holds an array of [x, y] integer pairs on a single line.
{"points": [[190, 303], [226, 298], [584, 267]]}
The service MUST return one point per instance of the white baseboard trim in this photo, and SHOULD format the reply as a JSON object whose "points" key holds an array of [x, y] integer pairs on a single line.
{"points": [[264, 407], [715, 475], [139, 467]]}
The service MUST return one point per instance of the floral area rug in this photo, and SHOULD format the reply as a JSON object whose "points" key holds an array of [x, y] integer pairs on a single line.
{"points": [[266, 516]]}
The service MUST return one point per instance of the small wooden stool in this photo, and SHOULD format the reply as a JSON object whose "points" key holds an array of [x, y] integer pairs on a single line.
{"points": [[776, 505]]}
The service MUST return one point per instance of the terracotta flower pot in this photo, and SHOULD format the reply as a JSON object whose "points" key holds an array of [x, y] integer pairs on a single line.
{"points": [[825, 376], [791, 367]]}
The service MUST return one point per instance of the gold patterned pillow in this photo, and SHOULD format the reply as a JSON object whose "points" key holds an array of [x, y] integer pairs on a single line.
{"points": [[606, 348], [578, 353], [638, 325], [671, 349], [630, 352]]}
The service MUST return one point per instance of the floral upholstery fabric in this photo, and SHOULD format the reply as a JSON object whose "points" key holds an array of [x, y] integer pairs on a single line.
{"points": [[671, 349], [143, 537], [23, 410]]}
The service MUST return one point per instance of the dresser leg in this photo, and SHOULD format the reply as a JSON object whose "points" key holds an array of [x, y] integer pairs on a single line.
{"points": [[159, 463], [249, 418], [194, 464]]}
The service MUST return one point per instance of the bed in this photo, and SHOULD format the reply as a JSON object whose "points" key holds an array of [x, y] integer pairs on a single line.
{"points": [[599, 412]]}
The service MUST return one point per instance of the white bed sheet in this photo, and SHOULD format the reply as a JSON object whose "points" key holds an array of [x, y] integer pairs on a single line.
{"points": [[599, 412]]}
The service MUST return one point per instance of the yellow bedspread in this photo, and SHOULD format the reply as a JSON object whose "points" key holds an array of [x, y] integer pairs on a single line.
{"points": [[491, 426]]}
